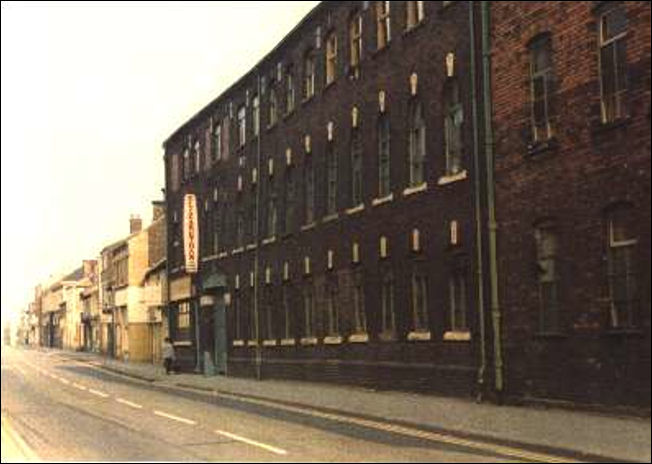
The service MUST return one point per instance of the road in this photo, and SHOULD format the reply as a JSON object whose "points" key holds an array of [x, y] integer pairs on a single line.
{"points": [[59, 409]]}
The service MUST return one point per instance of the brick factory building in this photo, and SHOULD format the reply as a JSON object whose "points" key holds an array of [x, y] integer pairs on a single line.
{"points": [[354, 225]]}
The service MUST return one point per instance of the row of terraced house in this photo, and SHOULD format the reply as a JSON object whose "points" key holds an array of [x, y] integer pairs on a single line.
{"points": [[113, 304], [451, 197]]}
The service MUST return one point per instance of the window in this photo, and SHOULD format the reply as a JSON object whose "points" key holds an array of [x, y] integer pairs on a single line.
{"points": [[242, 126], [287, 312], [384, 186], [382, 24], [217, 227], [256, 115], [621, 269], [453, 127], [387, 304], [309, 190], [226, 134], [309, 312], [419, 302], [268, 314], [217, 142], [174, 171], [253, 217], [457, 298], [359, 313], [331, 58], [237, 315], [331, 179], [186, 164], [417, 145], [289, 90], [289, 201], [540, 77], [355, 38], [333, 310], [183, 321], [613, 82], [240, 230], [546, 243], [196, 156], [308, 75], [415, 14], [272, 215], [273, 106], [356, 167]]}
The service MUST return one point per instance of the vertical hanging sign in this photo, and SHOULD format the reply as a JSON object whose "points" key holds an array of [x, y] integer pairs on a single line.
{"points": [[190, 233]]}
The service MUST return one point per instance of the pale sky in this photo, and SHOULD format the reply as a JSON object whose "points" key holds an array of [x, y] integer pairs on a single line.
{"points": [[89, 94]]}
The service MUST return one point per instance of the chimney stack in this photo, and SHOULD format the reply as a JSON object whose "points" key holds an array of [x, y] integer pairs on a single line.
{"points": [[135, 224]]}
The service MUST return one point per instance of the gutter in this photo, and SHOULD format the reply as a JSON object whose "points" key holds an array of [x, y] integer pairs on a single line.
{"points": [[491, 207], [478, 210]]}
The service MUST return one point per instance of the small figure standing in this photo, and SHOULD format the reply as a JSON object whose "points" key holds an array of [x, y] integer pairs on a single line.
{"points": [[168, 355]]}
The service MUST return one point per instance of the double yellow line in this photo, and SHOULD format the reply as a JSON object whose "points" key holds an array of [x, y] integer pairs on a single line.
{"points": [[14, 448]]}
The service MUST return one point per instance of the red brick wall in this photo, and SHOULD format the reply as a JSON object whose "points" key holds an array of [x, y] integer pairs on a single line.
{"points": [[589, 167]]}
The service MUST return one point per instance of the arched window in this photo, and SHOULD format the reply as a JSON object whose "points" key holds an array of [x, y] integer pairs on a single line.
{"points": [[331, 179], [384, 159], [540, 77], [331, 58], [355, 43], [272, 109], [417, 144], [382, 24], [621, 267], [356, 167], [453, 120], [308, 75]]}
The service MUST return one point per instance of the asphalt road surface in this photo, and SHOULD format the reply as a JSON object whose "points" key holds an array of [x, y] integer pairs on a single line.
{"points": [[58, 409]]}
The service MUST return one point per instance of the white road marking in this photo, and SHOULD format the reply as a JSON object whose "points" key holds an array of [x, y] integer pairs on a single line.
{"points": [[78, 386], [248, 441], [176, 418], [98, 393], [62, 380], [129, 403], [430, 436]]}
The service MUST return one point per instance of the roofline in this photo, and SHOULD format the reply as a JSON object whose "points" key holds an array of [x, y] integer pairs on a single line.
{"points": [[266, 57]]}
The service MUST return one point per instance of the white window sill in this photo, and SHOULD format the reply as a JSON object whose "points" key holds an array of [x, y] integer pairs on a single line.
{"points": [[183, 343], [332, 217], [238, 343], [251, 246], [419, 336], [252, 343], [380, 201], [224, 254], [288, 342], [237, 251], [416, 189], [209, 258], [457, 336], [269, 240], [355, 209], [452, 178], [308, 341], [359, 338], [333, 340], [269, 343], [308, 226]]}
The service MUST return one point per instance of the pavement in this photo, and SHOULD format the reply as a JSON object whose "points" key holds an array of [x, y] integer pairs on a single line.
{"points": [[578, 434]]}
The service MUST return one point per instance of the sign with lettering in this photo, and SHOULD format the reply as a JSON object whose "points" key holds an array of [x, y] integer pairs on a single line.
{"points": [[190, 233]]}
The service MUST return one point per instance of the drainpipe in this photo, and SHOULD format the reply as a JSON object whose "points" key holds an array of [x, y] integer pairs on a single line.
{"points": [[257, 250], [478, 209], [491, 207]]}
